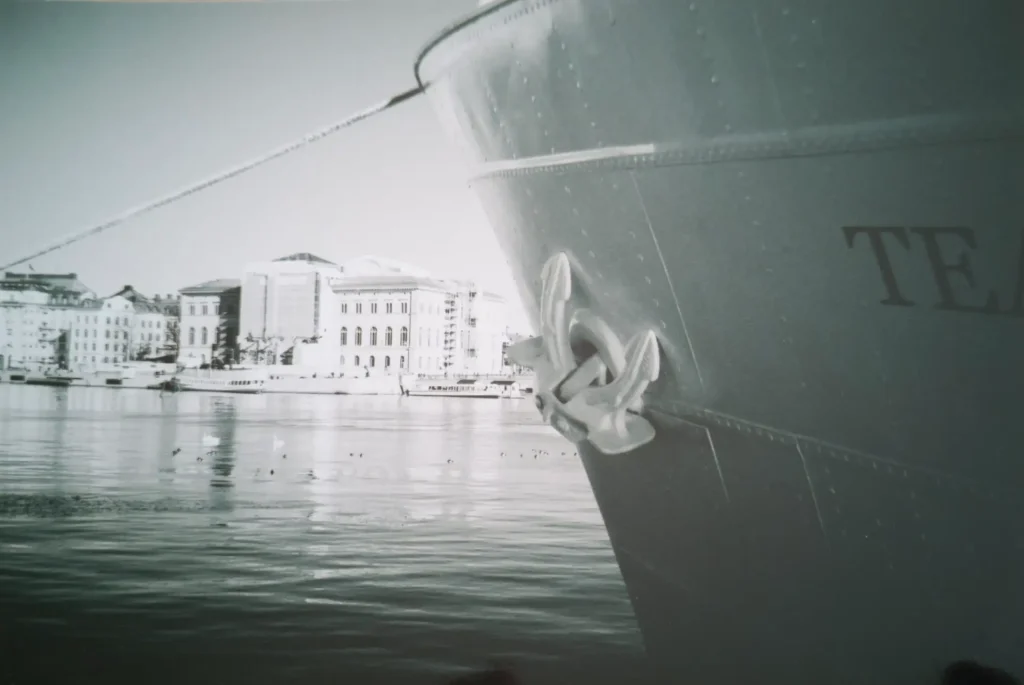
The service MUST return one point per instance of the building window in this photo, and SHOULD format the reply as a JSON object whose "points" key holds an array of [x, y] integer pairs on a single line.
{"points": [[203, 333], [359, 335], [373, 337], [389, 339], [373, 309], [108, 320], [419, 336], [107, 333], [192, 336], [343, 360], [106, 360], [387, 362], [205, 310], [373, 361], [359, 307], [216, 310], [344, 307], [404, 337], [344, 336], [192, 310], [401, 362], [387, 308], [357, 360], [405, 307]]}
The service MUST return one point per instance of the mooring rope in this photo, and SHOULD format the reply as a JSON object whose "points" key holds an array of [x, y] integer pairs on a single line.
{"points": [[223, 176]]}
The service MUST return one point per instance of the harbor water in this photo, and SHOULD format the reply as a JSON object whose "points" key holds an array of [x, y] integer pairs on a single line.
{"points": [[200, 538]]}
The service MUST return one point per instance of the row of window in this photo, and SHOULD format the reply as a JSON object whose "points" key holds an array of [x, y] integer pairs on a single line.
{"points": [[389, 337], [117, 347], [96, 319], [205, 309], [203, 335], [371, 362], [84, 333], [388, 307], [429, 338], [106, 360]]}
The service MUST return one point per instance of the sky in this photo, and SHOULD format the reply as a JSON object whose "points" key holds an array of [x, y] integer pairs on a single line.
{"points": [[108, 106]]}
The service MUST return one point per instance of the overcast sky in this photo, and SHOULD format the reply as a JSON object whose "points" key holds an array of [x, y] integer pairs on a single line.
{"points": [[107, 106]]}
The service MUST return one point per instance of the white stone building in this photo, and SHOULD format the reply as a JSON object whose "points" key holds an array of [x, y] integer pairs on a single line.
{"points": [[101, 334], [285, 302], [36, 311], [397, 318], [154, 325], [208, 324]]}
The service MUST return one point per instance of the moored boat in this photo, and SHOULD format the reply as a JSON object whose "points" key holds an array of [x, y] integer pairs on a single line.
{"points": [[240, 380], [775, 253], [494, 388]]}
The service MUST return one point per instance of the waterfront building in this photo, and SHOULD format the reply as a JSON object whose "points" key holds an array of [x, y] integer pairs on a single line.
{"points": [[100, 333], [36, 312], [396, 317], [285, 302], [153, 332], [208, 324]]}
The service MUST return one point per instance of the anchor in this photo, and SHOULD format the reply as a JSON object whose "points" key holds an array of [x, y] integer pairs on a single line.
{"points": [[575, 397]]}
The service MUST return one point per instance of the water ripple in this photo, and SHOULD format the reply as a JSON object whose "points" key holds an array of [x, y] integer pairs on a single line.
{"points": [[386, 540]]}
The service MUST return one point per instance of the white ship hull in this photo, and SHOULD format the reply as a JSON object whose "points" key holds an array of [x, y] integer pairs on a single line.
{"points": [[494, 389], [817, 208], [347, 385], [241, 382]]}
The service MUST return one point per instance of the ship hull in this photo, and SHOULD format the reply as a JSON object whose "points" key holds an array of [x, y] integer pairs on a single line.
{"points": [[817, 207]]}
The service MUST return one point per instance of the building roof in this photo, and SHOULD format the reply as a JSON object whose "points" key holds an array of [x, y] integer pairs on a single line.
{"points": [[145, 305], [390, 281], [371, 264], [66, 282], [214, 287], [305, 257]]}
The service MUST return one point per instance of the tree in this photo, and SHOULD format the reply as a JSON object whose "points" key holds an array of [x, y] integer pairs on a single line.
{"points": [[171, 335], [262, 349]]}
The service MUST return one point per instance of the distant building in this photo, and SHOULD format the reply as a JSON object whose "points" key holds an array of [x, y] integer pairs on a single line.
{"points": [[101, 333], [284, 302], [395, 317], [154, 326], [38, 288], [36, 311], [208, 325]]}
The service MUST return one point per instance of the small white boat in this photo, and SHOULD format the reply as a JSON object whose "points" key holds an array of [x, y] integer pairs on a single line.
{"points": [[243, 381], [465, 387]]}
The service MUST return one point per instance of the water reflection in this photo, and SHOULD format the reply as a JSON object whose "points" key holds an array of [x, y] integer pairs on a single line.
{"points": [[222, 453], [344, 532], [167, 441]]}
